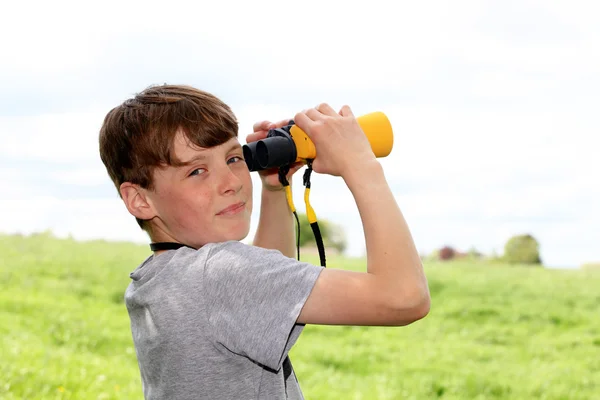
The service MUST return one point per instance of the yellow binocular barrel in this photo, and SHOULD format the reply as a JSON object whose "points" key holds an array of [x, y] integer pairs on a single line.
{"points": [[289, 144]]}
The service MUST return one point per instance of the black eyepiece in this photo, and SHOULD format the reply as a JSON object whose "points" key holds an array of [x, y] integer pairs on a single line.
{"points": [[276, 150], [250, 156]]}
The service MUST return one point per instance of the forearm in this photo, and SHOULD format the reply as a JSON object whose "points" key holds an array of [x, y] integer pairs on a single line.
{"points": [[276, 224], [391, 252]]}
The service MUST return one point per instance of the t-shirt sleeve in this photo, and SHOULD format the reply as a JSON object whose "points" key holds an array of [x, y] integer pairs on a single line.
{"points": [[253, 297]]}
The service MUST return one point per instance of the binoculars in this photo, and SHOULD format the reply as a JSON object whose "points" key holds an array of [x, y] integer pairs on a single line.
{"points": [[289, 144]]}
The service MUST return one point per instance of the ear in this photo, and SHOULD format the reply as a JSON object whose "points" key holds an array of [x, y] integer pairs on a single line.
{"points": [[136, 201]]}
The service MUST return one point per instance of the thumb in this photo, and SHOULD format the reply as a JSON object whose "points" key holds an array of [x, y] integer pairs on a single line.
{"points": [[346, 112]]}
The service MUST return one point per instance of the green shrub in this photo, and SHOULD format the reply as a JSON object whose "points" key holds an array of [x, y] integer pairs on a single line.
{"points": [[522, 249], [333, 235]]}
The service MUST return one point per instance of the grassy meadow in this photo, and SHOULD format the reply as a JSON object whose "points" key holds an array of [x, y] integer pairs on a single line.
{"points": [[494, 332]]}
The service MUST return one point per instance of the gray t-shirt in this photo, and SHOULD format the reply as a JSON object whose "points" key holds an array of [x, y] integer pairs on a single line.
{"points": [[218, 322]]}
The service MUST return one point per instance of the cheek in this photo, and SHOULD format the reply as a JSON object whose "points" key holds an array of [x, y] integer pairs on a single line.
{"points": [[181, 205], [244, 175], [248, 186]]}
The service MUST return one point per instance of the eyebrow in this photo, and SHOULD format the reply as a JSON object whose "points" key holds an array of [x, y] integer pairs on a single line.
{"points": [[235, 146], [193, 160], [200, 157]]}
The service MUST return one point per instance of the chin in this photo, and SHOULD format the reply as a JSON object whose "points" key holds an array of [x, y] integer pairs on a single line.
{"points": [[242, 233], [239, 232]]}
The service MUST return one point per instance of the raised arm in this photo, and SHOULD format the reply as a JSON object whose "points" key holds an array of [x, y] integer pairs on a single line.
{"points": [[276, 223], [393, 290]]}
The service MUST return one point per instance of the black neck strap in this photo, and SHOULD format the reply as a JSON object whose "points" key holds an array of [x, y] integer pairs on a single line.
{"points": [[166, 246]]}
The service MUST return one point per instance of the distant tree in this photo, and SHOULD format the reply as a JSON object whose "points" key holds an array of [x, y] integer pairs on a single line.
{"points": [[306, 233], [446, 253], [473, 253], [333, 235], [522, 249]]}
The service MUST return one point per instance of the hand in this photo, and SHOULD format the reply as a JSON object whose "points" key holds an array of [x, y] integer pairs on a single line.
{"points": [[270, 177], [339, 140]]}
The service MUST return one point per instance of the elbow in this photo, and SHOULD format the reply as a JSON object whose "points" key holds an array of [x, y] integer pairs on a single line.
{"points": [[412, 308], [422, 307]]}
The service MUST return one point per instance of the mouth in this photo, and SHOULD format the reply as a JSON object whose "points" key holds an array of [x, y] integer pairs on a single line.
{"points": [[233, 209]]}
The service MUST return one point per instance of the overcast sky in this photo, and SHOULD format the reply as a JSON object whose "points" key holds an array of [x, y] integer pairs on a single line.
{"points": [[494, 106]]}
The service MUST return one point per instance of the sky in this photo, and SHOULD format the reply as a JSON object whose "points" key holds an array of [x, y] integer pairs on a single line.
{"points": [[494, 107]]}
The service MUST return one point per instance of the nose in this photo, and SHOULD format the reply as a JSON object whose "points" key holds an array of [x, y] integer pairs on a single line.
{"points": [[230, 183]]}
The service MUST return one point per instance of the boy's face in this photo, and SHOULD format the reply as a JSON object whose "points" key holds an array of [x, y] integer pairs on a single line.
{"points": [[209, 200]]}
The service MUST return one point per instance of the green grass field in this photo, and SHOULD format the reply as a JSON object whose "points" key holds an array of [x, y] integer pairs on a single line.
{"points": [[494, 332]]}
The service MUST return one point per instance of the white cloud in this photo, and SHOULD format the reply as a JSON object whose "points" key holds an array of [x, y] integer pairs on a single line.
{"points": [[59, 138], [82, 177], [334, 45], [459, 144], [82, 218]]}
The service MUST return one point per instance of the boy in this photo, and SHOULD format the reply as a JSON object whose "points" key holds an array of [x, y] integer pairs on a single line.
{"points": [[211, 317]]}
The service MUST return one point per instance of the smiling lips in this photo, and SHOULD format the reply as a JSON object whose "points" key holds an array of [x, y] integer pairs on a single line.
{"points": [[232, 209]]}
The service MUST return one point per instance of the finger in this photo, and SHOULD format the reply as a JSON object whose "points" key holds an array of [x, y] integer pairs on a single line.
{"points": [[346, 112], [314, 114], [261, 126], [281, 123], [253, 137], [326, 109], [304, 122]]}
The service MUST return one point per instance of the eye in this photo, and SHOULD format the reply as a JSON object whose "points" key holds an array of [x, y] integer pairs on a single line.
{"points": [[197, 171], [234, 159]]}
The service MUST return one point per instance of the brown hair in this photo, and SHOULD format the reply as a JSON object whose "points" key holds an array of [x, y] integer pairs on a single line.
{"points": [[137, 136]]}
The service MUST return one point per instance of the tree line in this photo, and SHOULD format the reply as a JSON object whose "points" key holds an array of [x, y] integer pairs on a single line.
{"points": [[519, 249]]}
